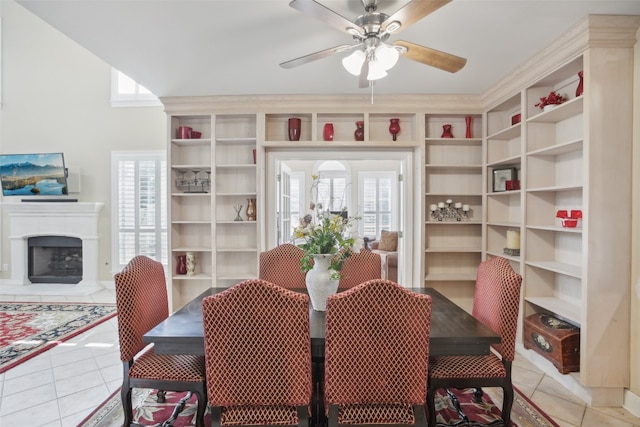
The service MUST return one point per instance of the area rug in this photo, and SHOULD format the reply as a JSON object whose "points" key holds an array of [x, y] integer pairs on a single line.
{"points": [[148, 412], [28, 329]]}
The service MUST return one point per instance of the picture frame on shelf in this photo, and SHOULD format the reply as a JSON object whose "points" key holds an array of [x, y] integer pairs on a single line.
{"points": [[501, 176]]}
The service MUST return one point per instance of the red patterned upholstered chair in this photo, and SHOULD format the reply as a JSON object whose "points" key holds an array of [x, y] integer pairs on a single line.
{"points": [[360, 267], [377, 355], [281, 265], [258, 355], [496, 303], [141, 299]]}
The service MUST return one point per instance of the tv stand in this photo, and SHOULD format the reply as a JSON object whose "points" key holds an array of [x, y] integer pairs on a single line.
{"points": [[50, 200]]}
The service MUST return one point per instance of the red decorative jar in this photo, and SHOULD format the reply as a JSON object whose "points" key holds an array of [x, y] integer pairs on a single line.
{"points": [[294, 129], [580, 88], [328, 132], [359, 133], [181, 266], [394, 128], [446, 131], [468, 121]]}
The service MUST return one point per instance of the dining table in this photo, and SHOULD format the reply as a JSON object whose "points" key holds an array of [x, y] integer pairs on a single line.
{"points": [[453, 332]]}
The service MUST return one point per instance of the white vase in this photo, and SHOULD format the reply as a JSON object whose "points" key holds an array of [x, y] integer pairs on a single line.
{"points": [[549, 107], [191, 263], [319, 284]]}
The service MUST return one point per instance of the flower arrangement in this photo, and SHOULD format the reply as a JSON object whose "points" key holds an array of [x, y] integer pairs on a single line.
{"points": [[554, 98], [325, 233]]}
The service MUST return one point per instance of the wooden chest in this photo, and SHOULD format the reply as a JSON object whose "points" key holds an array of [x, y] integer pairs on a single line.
{"points": [[555, 339]]}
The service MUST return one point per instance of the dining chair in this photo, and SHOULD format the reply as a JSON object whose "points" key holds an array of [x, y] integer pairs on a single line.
{"points": [[360, 267], [281, 265], [377, 355], [496, 303], [258, 355], [141, 301]]}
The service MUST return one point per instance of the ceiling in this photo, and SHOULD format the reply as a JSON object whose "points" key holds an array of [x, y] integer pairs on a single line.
{"points": [[234, 47]]}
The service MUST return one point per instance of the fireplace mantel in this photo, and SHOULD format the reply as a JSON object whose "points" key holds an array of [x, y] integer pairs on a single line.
{"points": [[71, 219]]}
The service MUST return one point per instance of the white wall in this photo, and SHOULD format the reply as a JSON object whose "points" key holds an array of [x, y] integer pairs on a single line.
{"points": [[56, 97]]}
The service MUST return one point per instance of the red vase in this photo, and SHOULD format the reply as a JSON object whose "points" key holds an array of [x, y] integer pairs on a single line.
{"points": [[446, 131], [394, 128], [359, 133], [294, 129], [468, 120], [328, 132], [580, 89], [181, 266]]}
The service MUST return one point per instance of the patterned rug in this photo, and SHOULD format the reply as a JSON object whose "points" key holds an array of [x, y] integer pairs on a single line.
{"points": [[28, 329], [148, 412]]}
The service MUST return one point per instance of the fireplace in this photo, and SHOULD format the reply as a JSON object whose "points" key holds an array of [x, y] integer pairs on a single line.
{"points": [[54, 259], [54, 246]]}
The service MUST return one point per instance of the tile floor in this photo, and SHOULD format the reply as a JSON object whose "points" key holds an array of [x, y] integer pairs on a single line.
{"points": [[64, 384]]}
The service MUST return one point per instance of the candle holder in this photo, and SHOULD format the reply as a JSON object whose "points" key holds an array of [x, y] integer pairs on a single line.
{"points": [[238, 209]]}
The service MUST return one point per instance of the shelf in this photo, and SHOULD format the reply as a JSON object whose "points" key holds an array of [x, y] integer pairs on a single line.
{"points": [[453, 250], [555, 228], [445, 223], [220, 249], [500, 254], [185, 194], [508, 133], [453, 277], [562, 308], [512, 160], [558, 267], [244, 222], [453, 141], [561, 112], [556, 188], [503, 224], [248, 140], [205, 222], [449, 195], [191, 249], [555, 150], [191, 142], [504, 193], [194, 277], [341, 144], [191, 168], [447, 167], [243, 194], [236, 166]]}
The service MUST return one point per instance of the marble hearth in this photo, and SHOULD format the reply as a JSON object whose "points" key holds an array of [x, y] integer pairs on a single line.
{"points": [[34, 219]]}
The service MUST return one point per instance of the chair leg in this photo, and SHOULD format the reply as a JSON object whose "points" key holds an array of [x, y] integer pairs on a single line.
{"points": [[507, 403], [202, 407], [161, 396], [127, 406], [431, 406]]}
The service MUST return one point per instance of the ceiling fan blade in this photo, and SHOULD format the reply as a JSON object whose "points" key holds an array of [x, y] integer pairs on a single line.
{"points": [[435, 58], [323, 13], [412, 12], [317, 55]]}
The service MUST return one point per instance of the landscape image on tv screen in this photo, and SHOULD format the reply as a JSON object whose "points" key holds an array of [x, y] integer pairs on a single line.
{"points": [[33, 174]]}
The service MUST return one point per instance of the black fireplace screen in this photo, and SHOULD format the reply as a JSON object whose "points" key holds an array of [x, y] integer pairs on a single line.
{"points": [[55, 259]]}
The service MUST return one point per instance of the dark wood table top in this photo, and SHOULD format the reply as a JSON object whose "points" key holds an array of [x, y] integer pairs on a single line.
{"points": [[453, 330]]}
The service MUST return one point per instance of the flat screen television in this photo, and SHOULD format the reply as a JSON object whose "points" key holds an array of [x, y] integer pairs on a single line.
{"points": [[41, 174]]}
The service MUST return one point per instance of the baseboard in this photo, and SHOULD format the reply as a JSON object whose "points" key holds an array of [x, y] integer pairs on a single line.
{"points": [[631, 402]]}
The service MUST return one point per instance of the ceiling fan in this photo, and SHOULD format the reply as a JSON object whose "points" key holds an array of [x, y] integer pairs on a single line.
{"points": [[372, 56]]}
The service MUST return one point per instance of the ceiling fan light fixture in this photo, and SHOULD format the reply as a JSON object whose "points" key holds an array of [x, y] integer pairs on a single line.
{"points": [[387, 56], [353, 62], [376, 70]]}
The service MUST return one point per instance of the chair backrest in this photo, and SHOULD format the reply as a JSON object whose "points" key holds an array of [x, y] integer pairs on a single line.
{"points": [[496, 302], [360, 267], [141, 300], [257, 346], [281, 265], [377, 345]]}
